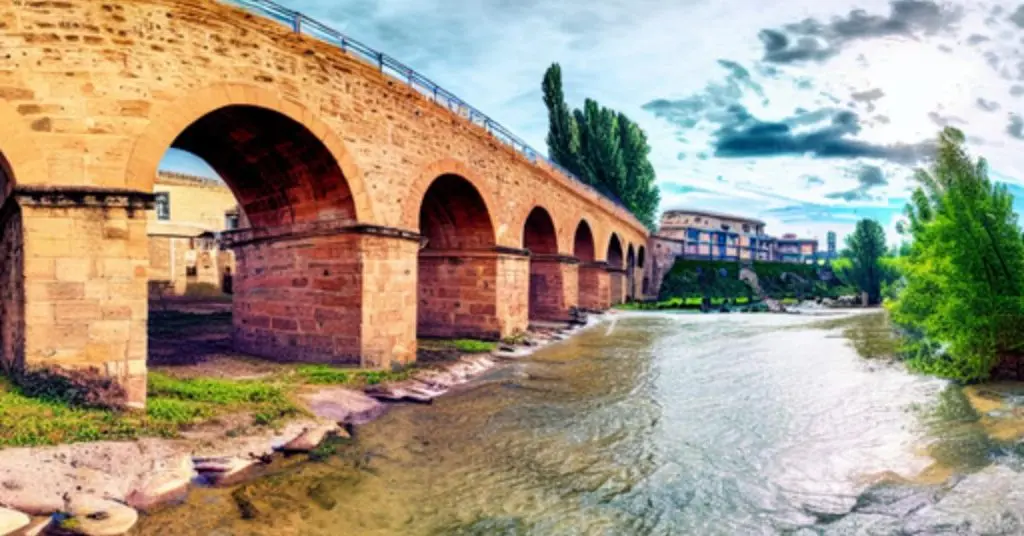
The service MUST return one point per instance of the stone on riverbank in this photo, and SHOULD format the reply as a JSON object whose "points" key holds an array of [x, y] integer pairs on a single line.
{"points": [[311, 437], [224, 471], [12, 520], [93, 516], [161, 487], [344, 406]]}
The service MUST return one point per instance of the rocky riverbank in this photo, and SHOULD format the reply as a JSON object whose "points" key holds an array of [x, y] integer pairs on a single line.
{"points": [[99, 488]]}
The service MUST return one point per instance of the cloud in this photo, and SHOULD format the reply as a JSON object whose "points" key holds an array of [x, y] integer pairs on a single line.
{"points": [[811, 39], [869, 177], [1016, 127], [814, 181], [747, 136], [1018, 17], [987, 105]]}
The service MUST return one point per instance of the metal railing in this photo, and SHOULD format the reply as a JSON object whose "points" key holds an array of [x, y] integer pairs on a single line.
{"points": [[300, 23]]}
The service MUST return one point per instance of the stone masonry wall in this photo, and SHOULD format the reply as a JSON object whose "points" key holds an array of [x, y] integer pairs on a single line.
{"points": [[457, 295], [12, 290], [389, 300], [554, 288], [513, 290], [86, 289]]}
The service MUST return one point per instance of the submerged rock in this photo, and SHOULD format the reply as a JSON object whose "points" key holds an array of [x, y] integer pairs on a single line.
{"points": [[93, 516], [12, 520]]}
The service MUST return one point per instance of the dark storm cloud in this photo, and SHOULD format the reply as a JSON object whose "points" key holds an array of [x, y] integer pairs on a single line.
{"points": [[747, 136], [1016, 127], [811, 39]]}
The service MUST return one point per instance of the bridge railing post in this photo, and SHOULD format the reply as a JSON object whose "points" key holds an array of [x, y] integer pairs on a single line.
{"points": [[297, 22]]}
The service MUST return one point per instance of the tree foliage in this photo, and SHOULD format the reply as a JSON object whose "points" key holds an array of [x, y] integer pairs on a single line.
{"points": [[862, 260], [964, 276], [602, 147]]}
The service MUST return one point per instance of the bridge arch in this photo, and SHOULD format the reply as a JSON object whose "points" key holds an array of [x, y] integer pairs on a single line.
{"points": [[641, 260], [630, 273], [616, 268], [23, 162], [426, 179], [457, 266], [169, 121], [549, 273]]}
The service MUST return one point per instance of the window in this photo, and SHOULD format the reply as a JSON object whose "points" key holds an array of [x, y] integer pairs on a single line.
{"points": [[746, 227], [693, 235], [163, 205], [726, 227], [231, 221]]}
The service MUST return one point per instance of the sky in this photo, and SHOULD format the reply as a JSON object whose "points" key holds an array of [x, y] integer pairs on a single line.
{"points": [[809, 115]]}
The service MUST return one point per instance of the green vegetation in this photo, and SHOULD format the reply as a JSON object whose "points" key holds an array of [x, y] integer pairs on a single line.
{"points": [[861, 265], [172, 405], [961, 301], [602, 147], [694, 279], [692, 302], [330, 375]]}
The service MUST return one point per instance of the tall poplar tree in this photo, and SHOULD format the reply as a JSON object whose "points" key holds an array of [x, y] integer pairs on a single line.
{"points": [[602, 147]]}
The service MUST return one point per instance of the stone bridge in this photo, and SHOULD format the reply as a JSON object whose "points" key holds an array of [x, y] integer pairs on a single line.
{"points": [[378, 214]]}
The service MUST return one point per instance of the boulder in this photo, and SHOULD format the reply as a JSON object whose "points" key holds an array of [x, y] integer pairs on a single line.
{"points": [[90, 515], [310, 438], [344, 406], [224, 470], [12, 520], [163, 486]]}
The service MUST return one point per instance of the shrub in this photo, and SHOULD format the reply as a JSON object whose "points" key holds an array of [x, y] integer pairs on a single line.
{"points": [[86, 388]]}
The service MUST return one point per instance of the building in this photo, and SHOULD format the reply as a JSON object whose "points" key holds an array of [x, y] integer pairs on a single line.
{"points": [[184, 253], [702, 234]]}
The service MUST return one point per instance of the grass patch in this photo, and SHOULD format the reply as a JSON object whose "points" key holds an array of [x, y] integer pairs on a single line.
{"points": [[172, 405], [473, 346], [466, 346], [328, 375]]}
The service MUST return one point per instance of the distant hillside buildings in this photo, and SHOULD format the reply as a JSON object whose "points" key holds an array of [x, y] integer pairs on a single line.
{"points": [[702, 234]]}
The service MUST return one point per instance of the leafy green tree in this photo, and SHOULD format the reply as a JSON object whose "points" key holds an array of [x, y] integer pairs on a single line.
{"points": [[962, 303], [602, 147], [563, 134], [864, 251]]}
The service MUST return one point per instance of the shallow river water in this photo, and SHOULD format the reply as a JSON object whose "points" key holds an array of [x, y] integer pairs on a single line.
{"points": [[653, 424]]}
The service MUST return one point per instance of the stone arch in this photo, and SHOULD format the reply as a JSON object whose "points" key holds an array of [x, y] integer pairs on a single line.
{"points": [[426, 178], [616, 269], [630, 273], [583, 242], [12, 277], [614, 255], [19, 153], [170, 120], [641, 264], [457, 263], [547, 296]]}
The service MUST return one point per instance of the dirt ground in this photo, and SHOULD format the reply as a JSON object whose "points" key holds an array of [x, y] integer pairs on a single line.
{"points": [[191, 337]]}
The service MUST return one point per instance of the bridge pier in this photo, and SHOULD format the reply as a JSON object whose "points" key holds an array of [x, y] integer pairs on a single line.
{"points": [[617, 283], [74, 282], [479, 294], [554, 287], [326, 292], [595, 286]]}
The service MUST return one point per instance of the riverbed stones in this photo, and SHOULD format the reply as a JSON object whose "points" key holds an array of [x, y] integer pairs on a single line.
{"points": [[90, 515], [224, 471], [12, 520], [163, 486], [344, 406], [311, 437]]}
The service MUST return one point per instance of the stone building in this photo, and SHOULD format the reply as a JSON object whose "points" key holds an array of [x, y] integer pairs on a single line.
{"points": [[184, 252], [702, 234]]}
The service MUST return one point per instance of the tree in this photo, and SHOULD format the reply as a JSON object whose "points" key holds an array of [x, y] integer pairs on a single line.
{"points": [[563, 134], [864, 250], [602, 147], [961, 305]]}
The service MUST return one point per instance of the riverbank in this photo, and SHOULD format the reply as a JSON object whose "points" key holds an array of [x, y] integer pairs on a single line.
{"points": [[99, 487]]}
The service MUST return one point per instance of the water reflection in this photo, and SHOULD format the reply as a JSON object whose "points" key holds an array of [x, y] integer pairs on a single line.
{"points": [[658, 424]]}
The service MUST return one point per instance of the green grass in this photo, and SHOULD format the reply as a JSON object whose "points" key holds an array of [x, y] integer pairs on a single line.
{"points": [[473, 346], [328, 375], [172, 405], [690, 302], [467, 346]]}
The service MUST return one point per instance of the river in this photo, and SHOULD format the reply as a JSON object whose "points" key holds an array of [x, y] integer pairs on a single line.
{"points": [[658, 424]]}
